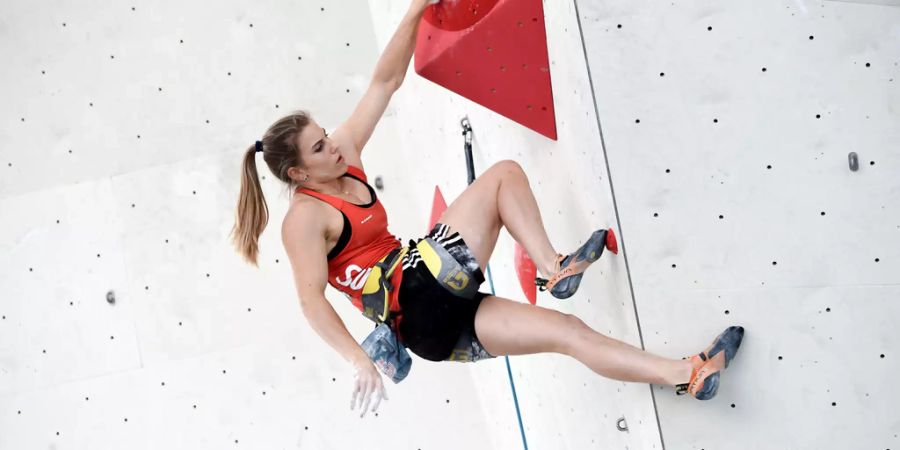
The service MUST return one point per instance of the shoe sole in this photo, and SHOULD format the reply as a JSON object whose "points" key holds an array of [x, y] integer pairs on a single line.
{"points": [[729, 342], [590, 252]]}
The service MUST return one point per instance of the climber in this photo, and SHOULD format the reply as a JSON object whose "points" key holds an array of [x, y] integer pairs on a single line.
{"points": [[335, 232]]}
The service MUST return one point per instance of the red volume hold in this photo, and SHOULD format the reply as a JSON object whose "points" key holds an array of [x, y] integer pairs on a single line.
{"points": [[492, 52], [438, 206], [526, 271]]}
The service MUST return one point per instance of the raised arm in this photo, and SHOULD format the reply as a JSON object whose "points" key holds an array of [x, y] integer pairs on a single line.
{"points": [[386, 79]]}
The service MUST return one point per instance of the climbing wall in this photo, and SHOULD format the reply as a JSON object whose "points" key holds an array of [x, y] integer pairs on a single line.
{"points": [[127, 319], [745, 154], [753, 153], [561, 402]]}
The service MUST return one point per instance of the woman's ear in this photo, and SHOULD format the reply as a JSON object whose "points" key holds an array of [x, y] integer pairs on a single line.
{"points": [[295, 174]]}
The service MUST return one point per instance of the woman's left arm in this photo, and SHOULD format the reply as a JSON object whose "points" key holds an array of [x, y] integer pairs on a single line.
{"points": [[355, 132]]}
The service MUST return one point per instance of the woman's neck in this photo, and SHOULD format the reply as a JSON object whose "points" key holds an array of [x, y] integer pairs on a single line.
{"points": [[336, 188]]}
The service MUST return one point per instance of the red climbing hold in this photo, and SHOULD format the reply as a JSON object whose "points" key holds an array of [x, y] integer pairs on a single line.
{"points": [[527, 271], [493, 52], [438, 206], [611, 243]]}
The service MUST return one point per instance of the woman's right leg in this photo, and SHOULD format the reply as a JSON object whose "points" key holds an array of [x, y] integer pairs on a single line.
{"points": [[507, 327], [501, 196]]}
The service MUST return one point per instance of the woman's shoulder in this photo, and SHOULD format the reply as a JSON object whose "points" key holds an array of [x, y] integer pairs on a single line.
{"points": [[302, 204], [357, 172], [305, 210]]}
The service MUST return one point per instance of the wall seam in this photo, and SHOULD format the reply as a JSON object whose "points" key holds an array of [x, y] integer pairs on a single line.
{"points": [[621, 233]]}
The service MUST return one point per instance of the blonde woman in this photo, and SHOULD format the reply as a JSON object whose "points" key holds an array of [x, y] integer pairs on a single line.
{"points": [[335, 232]]}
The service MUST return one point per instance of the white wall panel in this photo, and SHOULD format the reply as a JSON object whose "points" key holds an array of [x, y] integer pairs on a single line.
{"points": [[563, 403], [738, 207], [128, 127], [200, 350]]}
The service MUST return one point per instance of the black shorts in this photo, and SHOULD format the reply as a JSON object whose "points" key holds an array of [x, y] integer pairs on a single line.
{"points": [[438, 325]]}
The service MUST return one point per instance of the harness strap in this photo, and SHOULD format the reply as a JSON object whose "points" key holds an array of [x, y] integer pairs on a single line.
{"points": [[377, 290], [447, 271]]}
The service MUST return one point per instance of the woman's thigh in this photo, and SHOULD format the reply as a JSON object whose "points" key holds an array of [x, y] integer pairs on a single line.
{"points": [[508, 327], [474, 214]]}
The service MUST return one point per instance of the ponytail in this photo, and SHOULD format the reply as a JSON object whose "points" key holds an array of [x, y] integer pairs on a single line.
{"points": [[252, 212], [280, 153]]}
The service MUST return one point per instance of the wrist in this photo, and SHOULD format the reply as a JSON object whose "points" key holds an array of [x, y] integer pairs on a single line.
{"points": [[419, 6], [360, 359]]}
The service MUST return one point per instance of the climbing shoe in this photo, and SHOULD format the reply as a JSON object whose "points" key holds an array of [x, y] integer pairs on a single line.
{"points": [[569, 269], [707, 365]]}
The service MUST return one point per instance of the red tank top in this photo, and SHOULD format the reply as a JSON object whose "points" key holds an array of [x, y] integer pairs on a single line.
{"points": [[365, 239]]}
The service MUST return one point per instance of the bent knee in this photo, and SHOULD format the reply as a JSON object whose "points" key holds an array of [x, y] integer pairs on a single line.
{"points": [[508, 165], [574, 330], [573, 322]]}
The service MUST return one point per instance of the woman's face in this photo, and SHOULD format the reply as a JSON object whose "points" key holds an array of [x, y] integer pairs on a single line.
{"points": [[321, 156]]}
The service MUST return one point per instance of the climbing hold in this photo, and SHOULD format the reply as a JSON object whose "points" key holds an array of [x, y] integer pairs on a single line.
{"points": [[526, 271], [621, 425], [493, 52], [438, 206]]}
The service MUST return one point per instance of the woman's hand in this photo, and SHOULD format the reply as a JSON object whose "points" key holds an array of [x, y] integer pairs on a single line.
{"points": [[368, 382]]}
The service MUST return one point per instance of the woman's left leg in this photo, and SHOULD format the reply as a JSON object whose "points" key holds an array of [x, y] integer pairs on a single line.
{"points": [[501, 196], [507, 327]]}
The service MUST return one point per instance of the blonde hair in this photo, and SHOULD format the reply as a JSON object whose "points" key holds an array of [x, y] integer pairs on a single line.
{"points": [[280, 152]]}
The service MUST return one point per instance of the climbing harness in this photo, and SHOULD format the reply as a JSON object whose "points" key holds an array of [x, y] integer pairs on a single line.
{"points": [[448, 272], [383, 345], [377, 290]]}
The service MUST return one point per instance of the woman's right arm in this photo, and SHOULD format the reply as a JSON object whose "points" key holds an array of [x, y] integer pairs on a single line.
{"points": [[303, 237]]}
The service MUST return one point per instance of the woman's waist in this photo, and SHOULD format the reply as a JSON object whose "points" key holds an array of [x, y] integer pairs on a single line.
{"points": [[382, 280]]}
